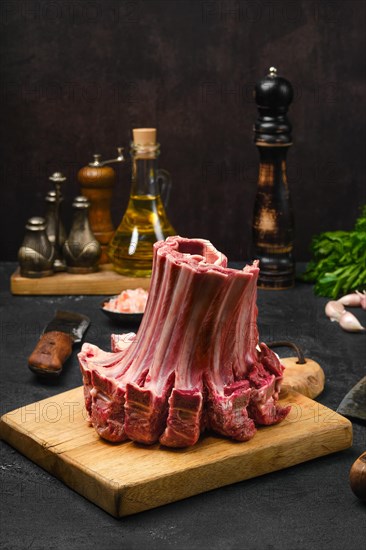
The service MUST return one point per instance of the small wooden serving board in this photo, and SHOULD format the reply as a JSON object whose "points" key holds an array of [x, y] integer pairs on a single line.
{"points": [[307, 378], [128, 478], [105, 281]]}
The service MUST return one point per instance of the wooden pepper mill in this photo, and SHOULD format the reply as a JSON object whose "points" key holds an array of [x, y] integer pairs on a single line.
{"points": [[273, 219], [97, 181]]}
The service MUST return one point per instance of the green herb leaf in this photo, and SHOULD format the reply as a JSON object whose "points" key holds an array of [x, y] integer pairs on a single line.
{"points": [[339, 263]]}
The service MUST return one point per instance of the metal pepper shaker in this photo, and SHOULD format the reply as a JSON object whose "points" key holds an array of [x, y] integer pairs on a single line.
{"points": [[81, 250], [36, 255], [58, 179], [51, 216]]}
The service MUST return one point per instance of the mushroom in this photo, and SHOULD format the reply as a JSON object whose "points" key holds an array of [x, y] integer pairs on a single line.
{"points": [[357, 477]]}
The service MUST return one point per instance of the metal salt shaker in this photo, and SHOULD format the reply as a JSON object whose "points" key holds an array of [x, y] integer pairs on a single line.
{"points": [[36, 255], [81, 249]]}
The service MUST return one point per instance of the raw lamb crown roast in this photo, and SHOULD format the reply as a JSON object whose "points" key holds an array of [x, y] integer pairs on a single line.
{"points": [[195, 363]]}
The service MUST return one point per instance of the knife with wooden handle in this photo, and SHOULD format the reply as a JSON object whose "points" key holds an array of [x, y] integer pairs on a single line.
{"points": [[55, 344]]}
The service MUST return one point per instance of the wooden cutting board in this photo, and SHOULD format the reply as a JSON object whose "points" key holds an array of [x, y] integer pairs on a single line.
{"points": [[129, 478], [106, 281], [307, 378]]}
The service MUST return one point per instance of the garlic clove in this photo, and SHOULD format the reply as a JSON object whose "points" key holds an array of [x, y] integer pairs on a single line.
{"points": [[351, 300], [334, 310], [350, 323], [362, 296]]}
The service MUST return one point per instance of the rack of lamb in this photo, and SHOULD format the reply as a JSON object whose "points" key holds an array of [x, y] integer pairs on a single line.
{"points": [[195, 363]]}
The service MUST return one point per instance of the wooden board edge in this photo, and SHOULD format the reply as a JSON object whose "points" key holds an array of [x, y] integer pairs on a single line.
{"points": [[61, 284], [126, 500], [25, 443], [210, 475], [101, 491], [98, 490]]}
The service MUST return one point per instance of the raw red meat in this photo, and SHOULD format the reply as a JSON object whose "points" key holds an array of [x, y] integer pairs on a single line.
{"points": [[195, 362]]}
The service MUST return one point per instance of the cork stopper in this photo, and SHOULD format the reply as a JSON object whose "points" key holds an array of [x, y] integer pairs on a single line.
{"points": [[144, 136]]}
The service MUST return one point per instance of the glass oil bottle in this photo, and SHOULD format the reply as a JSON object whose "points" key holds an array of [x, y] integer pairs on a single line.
{"points": [[145, 220]]}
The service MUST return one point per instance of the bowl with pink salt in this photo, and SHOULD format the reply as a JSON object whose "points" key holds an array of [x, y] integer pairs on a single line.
{"points": [[126, 307]]}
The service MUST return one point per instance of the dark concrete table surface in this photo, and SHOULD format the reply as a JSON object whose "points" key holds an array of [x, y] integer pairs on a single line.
{"points": [[306, 506]]}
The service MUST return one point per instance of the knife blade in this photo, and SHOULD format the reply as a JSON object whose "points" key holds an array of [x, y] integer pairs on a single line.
{"points": [[353, 405], [56, 341]]}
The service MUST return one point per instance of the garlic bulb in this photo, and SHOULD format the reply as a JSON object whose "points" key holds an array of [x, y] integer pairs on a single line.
{"points": [[353, 300], [350, 323], [362, 296], [334, 310]]}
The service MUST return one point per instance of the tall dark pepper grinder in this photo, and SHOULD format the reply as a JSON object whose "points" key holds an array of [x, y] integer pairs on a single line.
{"points": [[273, 219]]}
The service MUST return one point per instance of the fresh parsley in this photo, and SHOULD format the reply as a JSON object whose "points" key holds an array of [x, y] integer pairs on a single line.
{"points": [[339, 262]]}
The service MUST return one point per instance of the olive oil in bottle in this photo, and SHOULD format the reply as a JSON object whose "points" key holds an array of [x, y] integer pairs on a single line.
{"points": [[145, 220]]}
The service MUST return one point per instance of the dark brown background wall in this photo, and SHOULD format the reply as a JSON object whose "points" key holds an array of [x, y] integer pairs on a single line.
{"points": [[77, 75]]}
